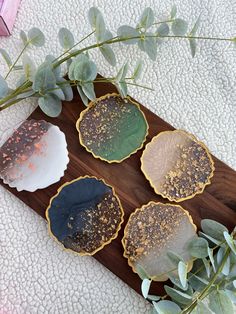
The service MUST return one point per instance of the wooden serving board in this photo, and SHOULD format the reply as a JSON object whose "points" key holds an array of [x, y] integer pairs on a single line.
{"points": [[217, 202]]}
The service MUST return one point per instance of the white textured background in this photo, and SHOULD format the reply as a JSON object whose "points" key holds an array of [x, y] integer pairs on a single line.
{"points": [[199, 95]]}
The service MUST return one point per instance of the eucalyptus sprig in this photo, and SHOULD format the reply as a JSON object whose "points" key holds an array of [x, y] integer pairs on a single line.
{"points": [[210, 287], [47, 83]]}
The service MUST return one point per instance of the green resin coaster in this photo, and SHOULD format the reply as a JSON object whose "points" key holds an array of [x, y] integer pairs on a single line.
{"points": [[112, 128], [85, 215], [177, 165], [152, 232]]}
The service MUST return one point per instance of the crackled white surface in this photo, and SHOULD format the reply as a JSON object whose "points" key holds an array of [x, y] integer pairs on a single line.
{"points": [[198, 95]]}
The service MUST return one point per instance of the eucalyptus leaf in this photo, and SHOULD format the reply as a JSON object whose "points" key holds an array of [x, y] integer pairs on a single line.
{"points": [[182, 272], [197, 247], [141, 272], [57, 70], [197, 283], [122, 73], [152, 297], [20, 81], [179, 27], [213, 229], [192, 41], [50, 105], [220, 254], [36, 37], [220, 303], [207, 267], [146, 283], [83, 97], [147, 18], [173, 11], [204, 235], [66, 38], [230, 241], [57, 91], [66, 88], [150, 46], [195, 27], [122, 89], [100, 28], [127, 31], [177, 282], [137, 70], [88, 89], [174, 258], [201, 308], [6, 57], [193, 46], [177, 295], [93, 14], [44, 79], [81, 58], [85, 71], [107, 35], [211, 257], [3, 87], [108, 54], [231, 295], [163, 30], [23, 37], [166, 307], [29, 67]]}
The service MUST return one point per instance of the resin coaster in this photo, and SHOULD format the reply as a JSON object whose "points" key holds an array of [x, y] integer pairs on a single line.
{"points": [[112, 128], [151, 232], [85, 215], [34, 156], [177, 165]]}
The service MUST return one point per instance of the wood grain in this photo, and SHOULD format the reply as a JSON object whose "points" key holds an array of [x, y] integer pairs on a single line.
{"points": [[217, 202]]}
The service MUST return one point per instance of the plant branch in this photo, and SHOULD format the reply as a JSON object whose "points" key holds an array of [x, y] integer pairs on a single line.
{"points": [[206, 290], [17, 59]]}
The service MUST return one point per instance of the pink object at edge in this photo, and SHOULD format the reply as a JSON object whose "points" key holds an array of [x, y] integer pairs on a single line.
{"points": [[8, 11]]}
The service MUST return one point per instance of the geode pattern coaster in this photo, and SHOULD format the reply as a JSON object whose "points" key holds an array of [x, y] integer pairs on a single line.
{"points": [[34, 156], [85, 215], [112, 128], [177, 165], [151, 232]]}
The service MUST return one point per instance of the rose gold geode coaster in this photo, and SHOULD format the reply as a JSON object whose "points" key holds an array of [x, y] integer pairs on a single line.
{"points": [[177, 165], [34, 156], [85, 215], [151, 232]]}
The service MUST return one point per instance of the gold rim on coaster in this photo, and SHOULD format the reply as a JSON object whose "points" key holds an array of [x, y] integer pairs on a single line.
{"points": [[172, 173], [117, 229], [161, 220], [101, 156]]}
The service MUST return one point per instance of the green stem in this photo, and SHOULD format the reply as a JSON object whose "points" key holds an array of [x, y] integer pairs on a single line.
{"points": [[79, 42], [205, 291], [10, 104], [27, 84], [167, 21], [117, 40], [17, 59]]}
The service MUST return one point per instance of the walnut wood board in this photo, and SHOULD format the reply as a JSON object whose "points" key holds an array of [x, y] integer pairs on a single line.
{"points": [[217, 202]]}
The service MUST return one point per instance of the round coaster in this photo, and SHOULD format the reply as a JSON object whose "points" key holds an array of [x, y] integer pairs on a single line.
{"points": [[34, 156], [177, 165], [112, 128], [151, 232], [85, 215]]}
